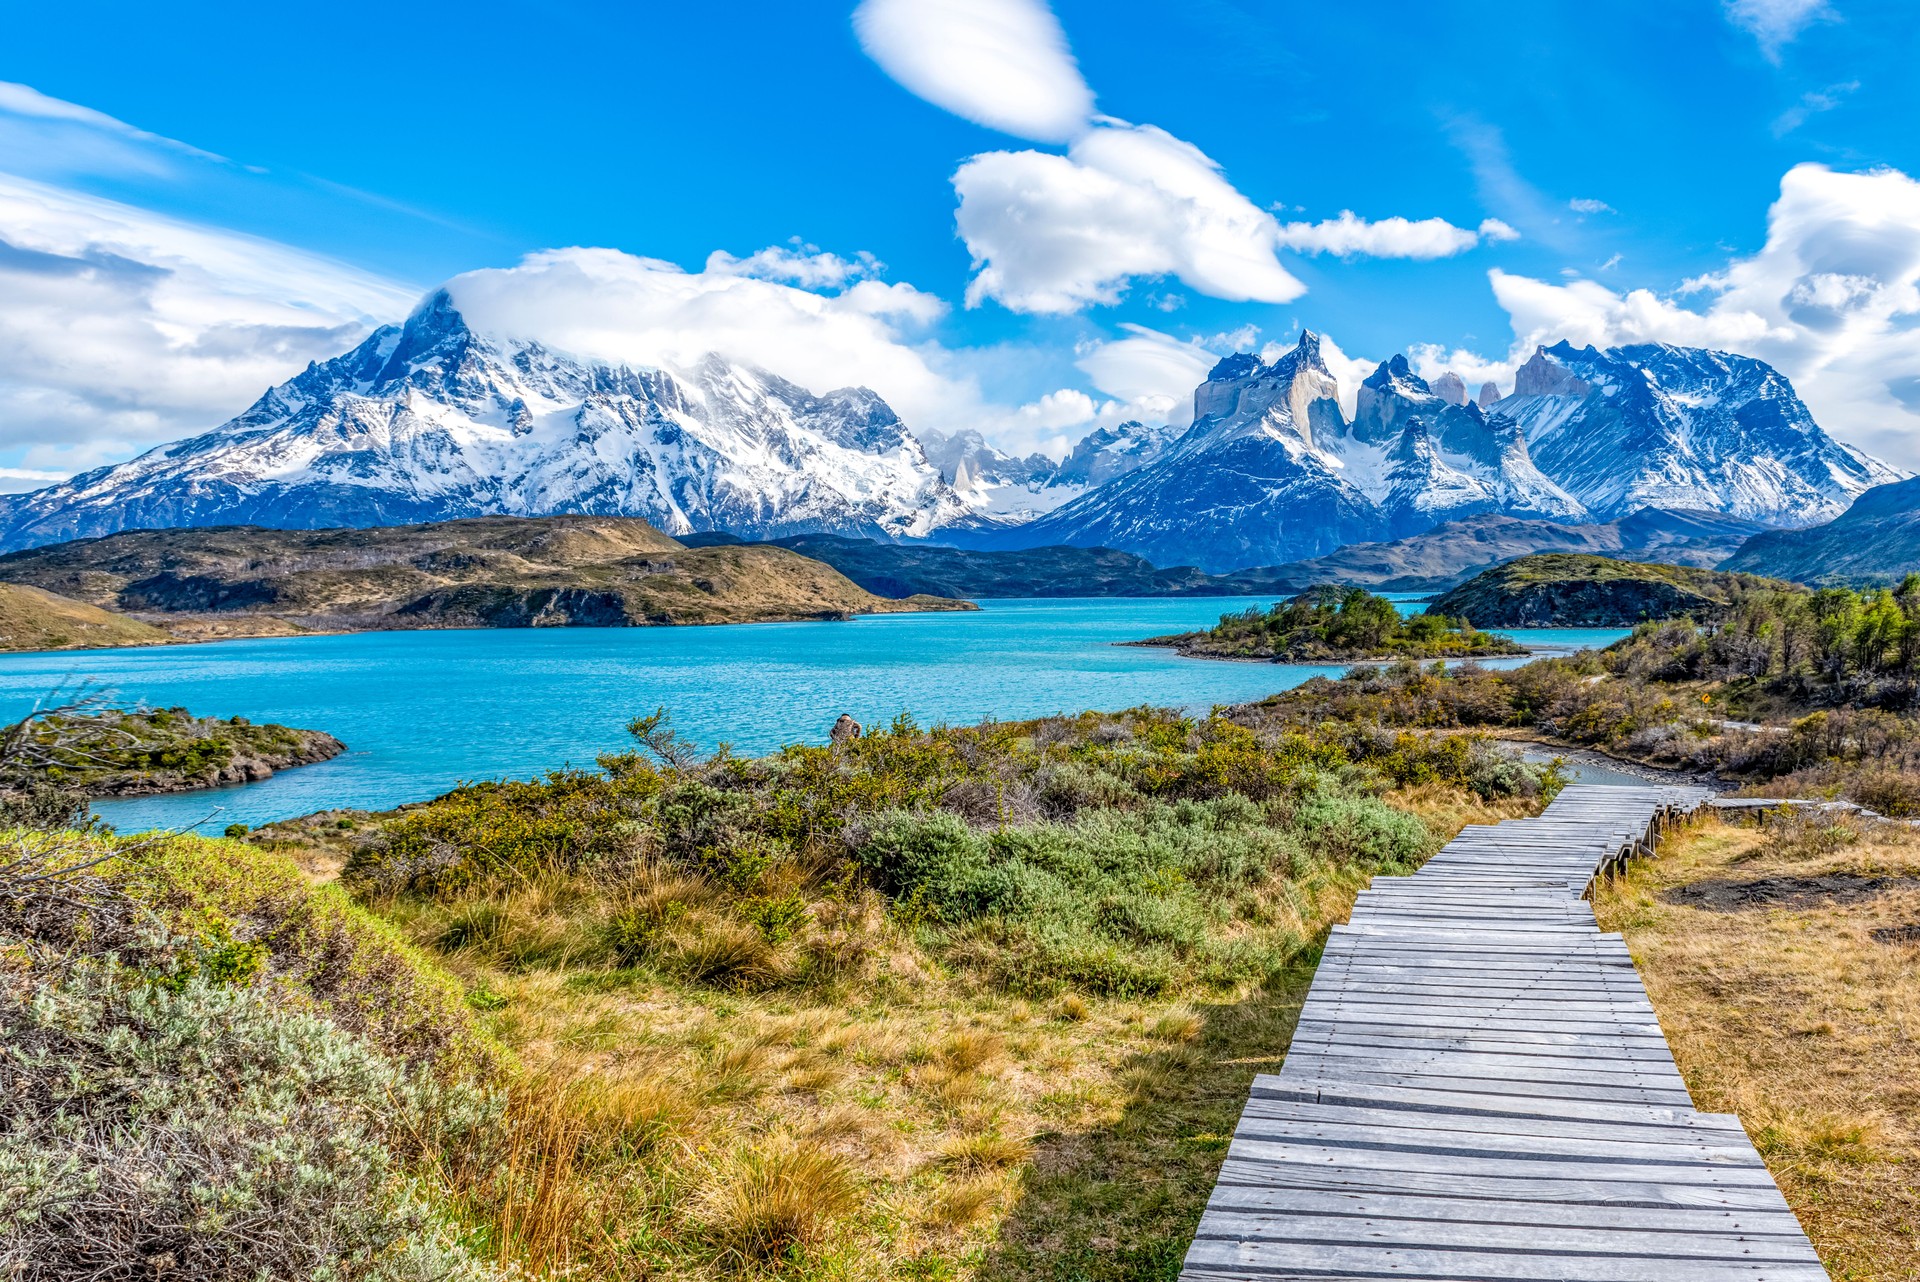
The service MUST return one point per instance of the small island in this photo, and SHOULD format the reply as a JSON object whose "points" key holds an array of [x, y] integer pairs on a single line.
{"points": [[89, 751], [1328, 624]]}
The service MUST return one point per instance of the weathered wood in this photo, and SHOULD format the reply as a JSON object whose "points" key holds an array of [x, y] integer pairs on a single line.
{"points": [[1479, 1088]]}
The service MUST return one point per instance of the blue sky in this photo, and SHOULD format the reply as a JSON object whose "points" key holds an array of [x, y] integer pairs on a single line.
{"points": [[311, 170]]}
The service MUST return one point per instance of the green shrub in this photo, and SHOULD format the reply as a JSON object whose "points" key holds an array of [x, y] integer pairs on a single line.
{"points": [[212, 1127], [210, 1069]]}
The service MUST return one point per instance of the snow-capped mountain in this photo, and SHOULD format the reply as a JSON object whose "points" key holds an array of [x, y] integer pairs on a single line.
{"points": [[1247, 484], [1681, 427], [1109, 452], [1422, 457], [1273, 471], [1006, 490], [436, 419], [430, 420], [988, 480]]}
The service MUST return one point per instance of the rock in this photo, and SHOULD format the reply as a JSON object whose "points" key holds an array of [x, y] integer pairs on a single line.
{"points": [[1450, 387], [845, 728], [1489, 393], [1544, 376]]}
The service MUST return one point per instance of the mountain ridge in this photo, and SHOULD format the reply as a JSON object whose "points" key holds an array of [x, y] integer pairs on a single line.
{"points": [[432, 420]]}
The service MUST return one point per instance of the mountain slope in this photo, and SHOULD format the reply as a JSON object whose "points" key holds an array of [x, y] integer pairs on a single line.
{"points": [[35, 619], [1875, 540], [486, 572], [898, 570], [431, 420]]}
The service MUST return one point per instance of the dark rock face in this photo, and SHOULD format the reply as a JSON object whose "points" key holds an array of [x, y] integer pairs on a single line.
{"points": [[480, 605]]}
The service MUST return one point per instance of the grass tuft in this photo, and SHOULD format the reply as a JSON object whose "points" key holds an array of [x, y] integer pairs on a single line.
{"points": [[775, 1200]]}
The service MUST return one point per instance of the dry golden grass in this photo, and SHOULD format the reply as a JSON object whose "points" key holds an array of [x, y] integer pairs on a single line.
{"points": [[683, 1120], [1792, 1014]]}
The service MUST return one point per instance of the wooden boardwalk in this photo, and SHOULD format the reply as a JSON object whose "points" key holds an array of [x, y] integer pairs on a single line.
{"points": [[1479, 1089]]}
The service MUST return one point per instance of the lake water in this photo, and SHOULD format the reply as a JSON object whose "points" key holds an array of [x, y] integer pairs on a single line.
{"points": [[423, 711]]}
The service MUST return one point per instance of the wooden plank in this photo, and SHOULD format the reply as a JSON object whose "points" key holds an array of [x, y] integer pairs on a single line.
{"points": [[1239, 1259], [1434, 1206], [1531, 1239], [1585, 1190]]}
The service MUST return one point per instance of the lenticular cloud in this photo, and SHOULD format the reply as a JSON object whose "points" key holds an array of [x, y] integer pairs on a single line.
{"points": [[1000, 63]]}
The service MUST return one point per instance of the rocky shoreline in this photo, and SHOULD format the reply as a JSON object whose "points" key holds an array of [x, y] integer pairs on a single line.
{"points": [[311, 748]]}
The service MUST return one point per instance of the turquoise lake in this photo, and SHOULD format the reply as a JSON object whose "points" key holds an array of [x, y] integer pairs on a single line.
{"points": [[421, 712]]}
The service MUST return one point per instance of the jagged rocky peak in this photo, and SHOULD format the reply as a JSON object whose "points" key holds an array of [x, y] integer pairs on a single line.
{"points": [[981, 460], [1542, 375], [1388, 398], [1449, 387], [1296, 391], [1489, 393]]}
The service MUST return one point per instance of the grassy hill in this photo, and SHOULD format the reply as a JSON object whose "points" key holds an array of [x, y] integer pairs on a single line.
{"points": [[590, 571], [33, 619], [1569, 590]]}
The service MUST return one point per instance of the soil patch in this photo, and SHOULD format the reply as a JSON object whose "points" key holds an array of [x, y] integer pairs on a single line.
{"points": [[1909, 934], [1725, 895]]}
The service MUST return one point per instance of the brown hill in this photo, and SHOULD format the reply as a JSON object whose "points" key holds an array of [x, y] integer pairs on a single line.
{"points": [[33, 619], [592, 571]]}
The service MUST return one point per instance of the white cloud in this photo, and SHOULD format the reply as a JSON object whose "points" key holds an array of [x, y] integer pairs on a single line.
{"points": [[25, 103], [1832, 299], [799, 264], [1000, 63], [1059, 233], [120, 327], [1152, 372], [618, 308], [1775, 23], [1588, 205], [1350, 234]]}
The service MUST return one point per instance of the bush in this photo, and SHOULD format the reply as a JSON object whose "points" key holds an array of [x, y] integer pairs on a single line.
{"points": [[208, 1069], [207, 1130]]}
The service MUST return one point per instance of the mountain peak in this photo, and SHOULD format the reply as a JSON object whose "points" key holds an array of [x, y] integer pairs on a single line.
{"points": [[1449, 387], [1543, 375], [1306, 353], [1232, 366]]}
